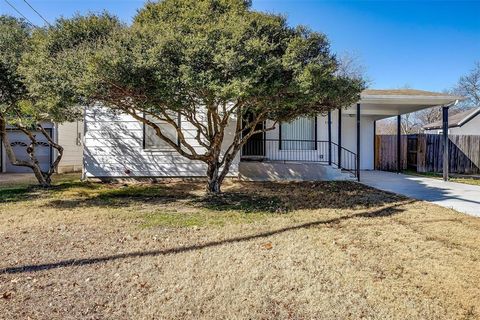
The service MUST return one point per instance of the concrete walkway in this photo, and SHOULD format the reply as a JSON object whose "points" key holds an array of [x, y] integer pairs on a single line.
{"points": [[14, 178], [461, 197]]}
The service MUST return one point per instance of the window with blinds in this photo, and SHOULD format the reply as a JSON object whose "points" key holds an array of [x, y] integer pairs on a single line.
{"points": [[298, 134]]}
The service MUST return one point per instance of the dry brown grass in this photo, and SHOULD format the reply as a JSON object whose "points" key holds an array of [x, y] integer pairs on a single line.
{"points": [[261, 251]]}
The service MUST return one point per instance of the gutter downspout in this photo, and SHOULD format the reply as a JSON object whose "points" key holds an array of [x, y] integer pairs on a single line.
{"points": [[84, 175]]}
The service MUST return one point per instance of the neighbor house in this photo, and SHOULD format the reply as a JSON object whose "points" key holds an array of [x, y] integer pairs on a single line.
{"points": [[462, 123], [329, 146], [68, 135]]}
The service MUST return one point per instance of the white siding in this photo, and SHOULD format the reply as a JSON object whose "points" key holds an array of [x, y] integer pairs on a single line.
{"points": [[367, 160], [69, 136], [114, 148], [472, 127], [349, 138]]}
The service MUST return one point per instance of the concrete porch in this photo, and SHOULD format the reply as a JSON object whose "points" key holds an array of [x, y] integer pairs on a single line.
{"points": [[291, 171], [313, 148]]}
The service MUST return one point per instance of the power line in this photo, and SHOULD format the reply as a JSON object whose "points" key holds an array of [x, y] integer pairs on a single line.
{"points": [[13, 7], [48, 23]]}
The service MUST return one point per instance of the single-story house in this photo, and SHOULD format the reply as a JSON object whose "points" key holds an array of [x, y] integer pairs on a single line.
{"points": [[68, 135], [329, 146], [462, 123]]}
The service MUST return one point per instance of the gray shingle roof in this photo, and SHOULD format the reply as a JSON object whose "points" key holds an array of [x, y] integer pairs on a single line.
{"points": [[455, 120]]}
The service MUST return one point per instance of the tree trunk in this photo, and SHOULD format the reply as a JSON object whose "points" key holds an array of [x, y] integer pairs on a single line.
{"points": [[59, 148], [43, 178], [214, 180]]}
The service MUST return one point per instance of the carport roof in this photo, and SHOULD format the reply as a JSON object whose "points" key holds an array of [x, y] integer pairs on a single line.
{"points": [[391, 102], [400, 92]]}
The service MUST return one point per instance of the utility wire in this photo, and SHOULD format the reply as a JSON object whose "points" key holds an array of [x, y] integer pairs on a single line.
{"points": [[21, 14], [48, 23]]}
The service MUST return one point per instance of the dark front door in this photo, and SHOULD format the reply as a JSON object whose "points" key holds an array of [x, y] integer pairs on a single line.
{"points": [[255, 145]]}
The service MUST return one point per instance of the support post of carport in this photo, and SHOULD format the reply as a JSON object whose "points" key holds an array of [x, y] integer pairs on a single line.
{"points": [[399, 143], [339, 139], [358, 141], [445, 142], [374, 145], [329, 119]]}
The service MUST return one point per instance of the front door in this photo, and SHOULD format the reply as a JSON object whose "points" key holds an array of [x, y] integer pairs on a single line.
{"points": [[255, 145]]}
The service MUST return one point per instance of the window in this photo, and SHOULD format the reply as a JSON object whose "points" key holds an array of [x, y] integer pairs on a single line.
{"points": [[299, 134], [153, 142]]}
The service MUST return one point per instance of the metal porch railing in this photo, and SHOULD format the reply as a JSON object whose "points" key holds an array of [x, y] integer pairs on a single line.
{"points": [[301, 151]]}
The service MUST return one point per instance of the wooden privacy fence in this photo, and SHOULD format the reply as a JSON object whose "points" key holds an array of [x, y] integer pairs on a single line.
{"points": [[424, 153], [386, 153]]}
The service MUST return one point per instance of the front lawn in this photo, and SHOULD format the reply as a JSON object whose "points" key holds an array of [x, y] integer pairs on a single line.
{"points": [[326, 250]]}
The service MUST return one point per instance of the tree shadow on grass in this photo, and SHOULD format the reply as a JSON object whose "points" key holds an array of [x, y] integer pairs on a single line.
{"points": [[240, 196], [380, 213]]}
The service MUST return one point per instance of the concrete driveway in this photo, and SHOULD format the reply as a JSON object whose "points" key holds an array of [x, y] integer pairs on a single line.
{"points": [[458, 196], [14, 178]]}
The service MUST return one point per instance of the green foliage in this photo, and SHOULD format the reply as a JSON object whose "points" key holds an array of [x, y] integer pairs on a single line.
{"points": [[212, 61], [178, 54], [32, 88], [14, 41], [59, 58], [25, 101]]}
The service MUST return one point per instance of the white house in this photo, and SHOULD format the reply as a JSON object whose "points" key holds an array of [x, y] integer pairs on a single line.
{"points": [[463, 123], [68, 135], [336, 145]]}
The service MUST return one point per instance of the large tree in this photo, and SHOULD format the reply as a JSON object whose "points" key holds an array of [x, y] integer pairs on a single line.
{"points": [[18, 108], [212, 62], [468, 86], [48, 92]]}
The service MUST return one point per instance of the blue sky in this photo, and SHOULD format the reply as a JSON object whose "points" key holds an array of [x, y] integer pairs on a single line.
{"points": [[420, 44]]}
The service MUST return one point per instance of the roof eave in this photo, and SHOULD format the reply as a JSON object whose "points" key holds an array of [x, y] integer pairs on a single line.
{"points": [[409, 99]]}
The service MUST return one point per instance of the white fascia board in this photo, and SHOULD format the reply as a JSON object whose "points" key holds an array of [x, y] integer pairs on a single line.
{"points": [[383, 112], [409, 100], [469, 117]]}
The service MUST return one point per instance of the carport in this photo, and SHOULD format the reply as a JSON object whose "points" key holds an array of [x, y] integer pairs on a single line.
{"points": [[381, 104]]}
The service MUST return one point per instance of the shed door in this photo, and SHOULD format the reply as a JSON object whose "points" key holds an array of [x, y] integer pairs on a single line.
{"points": [[19, 141]]}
